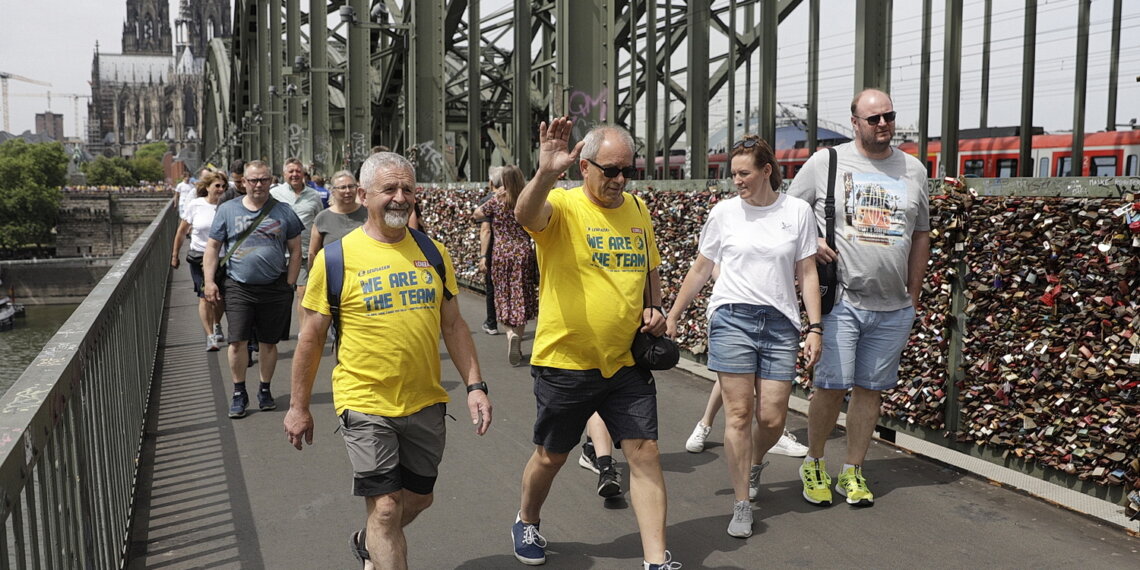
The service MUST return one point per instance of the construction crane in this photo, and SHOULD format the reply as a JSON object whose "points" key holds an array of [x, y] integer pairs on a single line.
{"points": [[49, 94], [4, 77]]}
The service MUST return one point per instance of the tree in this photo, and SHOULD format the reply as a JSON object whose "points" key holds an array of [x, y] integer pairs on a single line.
{"points": [[155, 150], [146, 168], [105, 171], [30, 194]]}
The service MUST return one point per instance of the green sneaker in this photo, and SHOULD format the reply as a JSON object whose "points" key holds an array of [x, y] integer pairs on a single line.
{"points": [[853, 486], [817, 485]]}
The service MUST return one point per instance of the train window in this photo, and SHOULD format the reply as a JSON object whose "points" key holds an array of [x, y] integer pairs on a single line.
{"points": [[1103, 166], [1065, 166], [1130, 166], [1006, 167], [714, 171], [930, 169], [1043, 169], [974, 168]]}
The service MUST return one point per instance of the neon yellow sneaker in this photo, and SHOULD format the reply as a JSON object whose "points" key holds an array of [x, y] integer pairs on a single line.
{"points": [[853, 486], [817, 484]]}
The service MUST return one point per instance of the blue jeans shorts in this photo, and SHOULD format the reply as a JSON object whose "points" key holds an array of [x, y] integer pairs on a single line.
{"points": [[753, 339], [862, 348], [566, 399]]}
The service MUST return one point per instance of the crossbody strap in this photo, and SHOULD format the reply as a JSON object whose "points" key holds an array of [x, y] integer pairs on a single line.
{"points": [[829, 203], [268, 207]]}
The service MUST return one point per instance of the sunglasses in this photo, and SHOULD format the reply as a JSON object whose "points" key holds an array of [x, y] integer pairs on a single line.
{"points": [[874, 119], [613, 171], [746, 143], [256, 181]]}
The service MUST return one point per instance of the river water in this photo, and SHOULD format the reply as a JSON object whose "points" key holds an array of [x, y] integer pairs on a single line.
{"points": [[19, 346]]}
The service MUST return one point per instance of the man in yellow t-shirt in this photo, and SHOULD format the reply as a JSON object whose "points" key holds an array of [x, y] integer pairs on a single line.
{"points": [[599, 285], [386, 385]]}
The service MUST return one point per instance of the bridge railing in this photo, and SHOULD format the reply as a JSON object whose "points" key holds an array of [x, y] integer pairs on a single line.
{"points": [[71, 426]]}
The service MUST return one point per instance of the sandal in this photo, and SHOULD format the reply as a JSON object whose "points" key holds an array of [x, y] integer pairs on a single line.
{"points": [[359, 546]]}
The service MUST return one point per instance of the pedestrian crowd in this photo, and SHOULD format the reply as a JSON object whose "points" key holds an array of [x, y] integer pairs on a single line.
{"points": [[846, 246]]}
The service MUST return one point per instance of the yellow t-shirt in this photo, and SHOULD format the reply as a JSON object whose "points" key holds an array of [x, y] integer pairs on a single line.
{"points": [[592, 264], [390, 323]]}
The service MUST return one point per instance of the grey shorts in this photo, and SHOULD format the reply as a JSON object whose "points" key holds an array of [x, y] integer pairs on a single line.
{"points": [[303, 276], [389, 454]]}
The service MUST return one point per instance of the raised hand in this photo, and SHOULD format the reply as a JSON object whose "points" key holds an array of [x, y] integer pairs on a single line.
{"points": [[554, 153]]}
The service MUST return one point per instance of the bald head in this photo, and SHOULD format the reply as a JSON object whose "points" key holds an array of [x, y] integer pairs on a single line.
{"points": [[871, 95]]}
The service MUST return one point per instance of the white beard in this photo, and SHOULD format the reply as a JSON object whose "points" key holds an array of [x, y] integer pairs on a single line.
{"points": [[397, 218]]}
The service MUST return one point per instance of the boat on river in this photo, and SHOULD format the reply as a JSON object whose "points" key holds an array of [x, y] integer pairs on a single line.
{"points": [[9, 312]]}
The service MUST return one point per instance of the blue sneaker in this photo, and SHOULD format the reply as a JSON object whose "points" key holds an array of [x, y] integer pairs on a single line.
{"points": [[530, 547], [668, 564], [237, 408], [265, 401]]}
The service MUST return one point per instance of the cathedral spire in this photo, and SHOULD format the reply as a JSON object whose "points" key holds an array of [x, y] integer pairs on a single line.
{"points": [[147, 28]]}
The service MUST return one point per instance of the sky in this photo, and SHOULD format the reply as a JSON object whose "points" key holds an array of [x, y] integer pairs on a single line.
{"points": [[54, 41]]}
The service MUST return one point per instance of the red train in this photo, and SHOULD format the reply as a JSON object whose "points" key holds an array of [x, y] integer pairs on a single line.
{"points": [[1115, 153]]}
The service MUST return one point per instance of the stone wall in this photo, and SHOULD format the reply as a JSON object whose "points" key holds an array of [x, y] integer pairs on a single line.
{"points": [[52, 281], [99, 224]]}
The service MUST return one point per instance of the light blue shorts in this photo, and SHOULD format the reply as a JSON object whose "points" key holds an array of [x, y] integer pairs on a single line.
{"points": [[862, 348], [753, 339]]}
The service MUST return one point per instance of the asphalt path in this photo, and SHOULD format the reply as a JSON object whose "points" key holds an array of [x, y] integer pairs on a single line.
{"points": [[221, 493]]}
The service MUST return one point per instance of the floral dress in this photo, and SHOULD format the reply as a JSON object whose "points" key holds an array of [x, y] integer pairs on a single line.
{"points": [[514, 268]]}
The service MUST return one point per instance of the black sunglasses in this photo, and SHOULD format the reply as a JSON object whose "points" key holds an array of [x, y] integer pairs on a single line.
{"points": [[873, 120], [746, 143], [613, 171]]}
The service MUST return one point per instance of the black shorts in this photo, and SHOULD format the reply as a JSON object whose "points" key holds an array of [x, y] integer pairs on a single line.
{"points": [[267, 307], [199, 277], [566, 399]]}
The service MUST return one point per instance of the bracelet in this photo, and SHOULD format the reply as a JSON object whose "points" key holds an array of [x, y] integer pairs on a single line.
{"points": [[659, 308], [815, 327], [478, 386], [816, 331]]}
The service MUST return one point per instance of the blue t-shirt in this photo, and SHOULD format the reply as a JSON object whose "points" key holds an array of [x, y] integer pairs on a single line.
{"points": [[322, 192], [261, 257]]}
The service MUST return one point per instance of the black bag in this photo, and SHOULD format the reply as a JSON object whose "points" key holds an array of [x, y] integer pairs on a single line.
{"points": [[195, 257], [654, 352], [829, 272]]}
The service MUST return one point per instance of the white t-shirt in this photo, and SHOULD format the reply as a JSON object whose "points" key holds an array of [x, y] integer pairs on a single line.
{"points": [[879, 204], [186, 192], [757, 249], [200, 214]]}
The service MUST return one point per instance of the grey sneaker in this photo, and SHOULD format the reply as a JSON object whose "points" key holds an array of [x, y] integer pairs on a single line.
{"points": [[754, 480], [741, 524], [218, 334]]}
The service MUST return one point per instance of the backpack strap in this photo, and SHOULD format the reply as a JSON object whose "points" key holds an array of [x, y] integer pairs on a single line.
{"points": [[427, 246], [334, 284], [829, 203]]}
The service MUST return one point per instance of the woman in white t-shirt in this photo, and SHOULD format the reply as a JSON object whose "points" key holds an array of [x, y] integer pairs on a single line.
{"points": [[196, 222], [764, 242]]}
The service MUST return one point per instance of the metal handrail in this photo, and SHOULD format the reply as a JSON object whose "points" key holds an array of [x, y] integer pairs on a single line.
{"points": [[71, 427]]}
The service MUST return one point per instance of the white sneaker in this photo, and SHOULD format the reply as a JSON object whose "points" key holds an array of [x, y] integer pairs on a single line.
{"points": [[789, 446], [696, 442], [741, 524]]}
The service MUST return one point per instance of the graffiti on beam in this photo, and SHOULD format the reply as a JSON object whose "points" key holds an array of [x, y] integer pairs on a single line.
{"points": [[359, 148], [296, 137], [429, 162], [587, 110]]}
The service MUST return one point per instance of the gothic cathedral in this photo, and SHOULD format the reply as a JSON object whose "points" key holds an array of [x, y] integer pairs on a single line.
{"points": [[153, 90]]}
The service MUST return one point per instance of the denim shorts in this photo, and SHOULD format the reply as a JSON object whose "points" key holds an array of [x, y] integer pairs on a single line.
{"points": [[753, 339], [389, 454], [566, 399], [862, 348]]}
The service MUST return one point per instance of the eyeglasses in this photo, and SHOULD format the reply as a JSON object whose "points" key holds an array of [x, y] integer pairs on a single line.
{"points": [[613, 171], [346, 187], [873, 120], [256, 181], [746, 143]]}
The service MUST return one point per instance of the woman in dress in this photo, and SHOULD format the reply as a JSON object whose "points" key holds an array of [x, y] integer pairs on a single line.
{"points": [[764, 243], [514, 271], [198, 217]]}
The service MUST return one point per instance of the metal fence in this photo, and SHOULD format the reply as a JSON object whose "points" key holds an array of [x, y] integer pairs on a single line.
{"points": [[71, 426]]}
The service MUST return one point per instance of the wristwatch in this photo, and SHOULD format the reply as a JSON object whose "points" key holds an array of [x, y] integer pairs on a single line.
{"points": [[478, 386]]}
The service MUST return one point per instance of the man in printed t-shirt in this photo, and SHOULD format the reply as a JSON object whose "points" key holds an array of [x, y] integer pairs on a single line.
{"points": [[882, 234], [386, 384], [598, 286]]}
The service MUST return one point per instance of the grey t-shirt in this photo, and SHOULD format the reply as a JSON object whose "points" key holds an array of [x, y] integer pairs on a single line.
{"points": [[879, 204], [261, 257], [333, 226]]}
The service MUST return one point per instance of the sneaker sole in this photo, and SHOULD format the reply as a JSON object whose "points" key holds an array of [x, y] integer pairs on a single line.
{"points": [[744, 534], [235, 416], [268, 408], [822, 503], [514, 352], [788, 453], [585, 463], [525, 560], [694, 448], [862, 503], [610, 489]]}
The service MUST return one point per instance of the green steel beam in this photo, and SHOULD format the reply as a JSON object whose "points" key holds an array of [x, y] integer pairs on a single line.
{"points": [[519, 140], [873, 45], [768, 25], [276, 89], [1080, 89], [987, 25], [358, 79], [318, 62], [951, 90], [651, 146], [813, 76], [1113, 66], [260, 93], [924, 87], [297, 140], [589, 70], [475, 159], [432, 155], [697, 84], [1028, 67]]}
